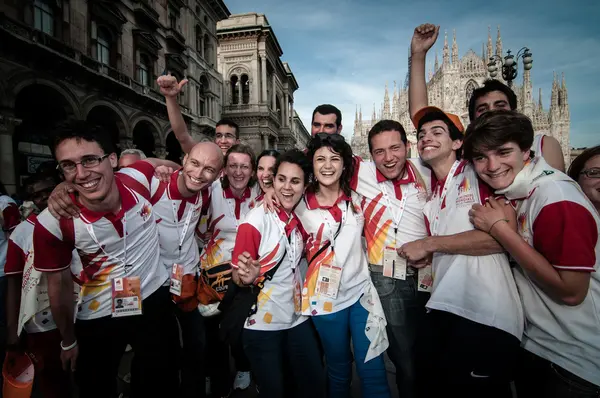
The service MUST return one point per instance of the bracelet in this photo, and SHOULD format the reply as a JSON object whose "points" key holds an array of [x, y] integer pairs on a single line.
{"points": [[67, 348], [496, 222]]}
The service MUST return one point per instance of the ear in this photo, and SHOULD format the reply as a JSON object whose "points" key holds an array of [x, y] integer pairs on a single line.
{"points": [[114, 160], [339, 129], [184, 159], [526, 155], [457, 144], [237, 140]]}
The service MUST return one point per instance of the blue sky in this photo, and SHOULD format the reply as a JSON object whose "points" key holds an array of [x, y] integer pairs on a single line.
{"points": [[343, 51]]}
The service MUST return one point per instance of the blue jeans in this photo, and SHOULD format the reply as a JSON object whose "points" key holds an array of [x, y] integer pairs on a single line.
{"points": [[404, 308], [335, 331], [296, 350]]}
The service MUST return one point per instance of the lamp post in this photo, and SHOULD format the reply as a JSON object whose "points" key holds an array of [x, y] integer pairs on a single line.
{"points": [[509, 64]]}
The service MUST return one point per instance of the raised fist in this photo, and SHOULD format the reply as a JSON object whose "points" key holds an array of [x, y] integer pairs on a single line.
{"points": [[168, 85], [424, 38]]}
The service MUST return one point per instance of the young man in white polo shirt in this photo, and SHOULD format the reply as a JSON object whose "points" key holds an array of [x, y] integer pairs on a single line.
{"points": [[557, 250], [116, 237]]}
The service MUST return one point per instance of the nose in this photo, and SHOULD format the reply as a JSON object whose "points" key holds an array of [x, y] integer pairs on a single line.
{"points": [[492, 163], [387, 155], [82, 172], [287, 186]]}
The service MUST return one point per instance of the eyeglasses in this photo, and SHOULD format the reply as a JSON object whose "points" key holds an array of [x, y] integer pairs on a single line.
{"points": [[335, 137], [221, 136], [594, 172], [87, 162]]}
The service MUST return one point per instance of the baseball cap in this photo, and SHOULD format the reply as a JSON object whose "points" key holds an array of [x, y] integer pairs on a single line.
{"points": [[429, 110]]}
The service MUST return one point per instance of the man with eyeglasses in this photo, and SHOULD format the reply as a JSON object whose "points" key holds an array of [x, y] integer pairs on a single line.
{"points": [[227, 132], [116, 236]]}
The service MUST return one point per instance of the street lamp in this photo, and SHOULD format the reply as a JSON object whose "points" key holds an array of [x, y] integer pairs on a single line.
{"points": [[509, 64]]}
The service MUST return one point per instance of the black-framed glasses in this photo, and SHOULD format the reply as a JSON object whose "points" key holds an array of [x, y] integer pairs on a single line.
{"points": [[594, 172], [330, 137], [87, 162]]}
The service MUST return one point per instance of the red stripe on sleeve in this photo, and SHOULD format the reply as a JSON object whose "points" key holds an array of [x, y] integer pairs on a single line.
{"points": [[56, 253], [146, 168], [15, 259], [135, 185], [354, 180], [247, 240], [11, 216]]}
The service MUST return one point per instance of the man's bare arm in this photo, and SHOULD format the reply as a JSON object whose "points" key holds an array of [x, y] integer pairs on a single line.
{"points": [[469, 243], [170, 88], [553, 153], [60, 292], [423, 39]]}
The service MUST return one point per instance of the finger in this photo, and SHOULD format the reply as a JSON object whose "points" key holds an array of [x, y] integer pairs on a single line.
{"points": [[493, 203], [182, 83], [476, 207]]}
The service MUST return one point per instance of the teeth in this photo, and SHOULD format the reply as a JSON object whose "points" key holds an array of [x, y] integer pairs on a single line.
{"points": [[90, 184], [327, 174], [428, 148], [390, 165], [195, 180]]}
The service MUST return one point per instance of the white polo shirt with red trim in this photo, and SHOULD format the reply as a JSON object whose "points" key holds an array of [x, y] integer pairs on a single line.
{"points": [[393, 210], [9, 220], [479, 288], [558, 221], [172, 212], [105, 256], [346, 251], [273, 237]]}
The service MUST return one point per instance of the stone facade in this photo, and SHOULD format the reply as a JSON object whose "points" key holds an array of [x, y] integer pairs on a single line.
{"points": [[98, 60], [450, 86], [258, 87]]}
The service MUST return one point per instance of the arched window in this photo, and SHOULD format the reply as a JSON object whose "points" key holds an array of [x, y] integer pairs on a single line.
{"points": [[208, 51], [198, 39], [245, 89], [233, 84], [43, 17], [202, 100], [103, 45], [144, 71], [469, 88]]}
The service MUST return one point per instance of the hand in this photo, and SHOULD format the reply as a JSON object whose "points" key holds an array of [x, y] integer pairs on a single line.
{"points": [[414, 251], [270, 201], [247, 268], [424, 38], [163, 173], [69, 358], [487, 217], [421, 263], [169, 87], [60, 204]]}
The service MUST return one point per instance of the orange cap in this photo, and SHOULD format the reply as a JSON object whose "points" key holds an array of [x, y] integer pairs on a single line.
{"points": [[452, 118]]}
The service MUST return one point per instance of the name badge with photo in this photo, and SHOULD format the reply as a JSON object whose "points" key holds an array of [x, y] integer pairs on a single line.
{"points": [[176, 279], [425, 279], [394, 266], [126, 296], [328, 280]]}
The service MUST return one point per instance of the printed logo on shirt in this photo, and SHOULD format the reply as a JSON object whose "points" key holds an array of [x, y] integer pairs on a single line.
{"points": [[421, 192], [146, 211], [543, 174], [465, 196]]}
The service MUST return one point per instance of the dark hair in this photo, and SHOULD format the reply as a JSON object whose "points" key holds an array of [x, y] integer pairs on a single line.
{"points": [[245, 149], [337, 144], [230, 123], [496, 128], [489, 86], [299, 158], [453, 131], [328, 109], [36, 178], [81, 130], [579, 162], [268, 152], [386, 125]]}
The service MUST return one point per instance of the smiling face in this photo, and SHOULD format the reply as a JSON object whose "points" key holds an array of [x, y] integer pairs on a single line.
{"points": [[265, 172], [499, 167], [238, 170], [202, 166], [434, 142], [289, 185], [225, 137], [93, 184], [328, 166], [325, 124], [40, 191], [492, 101], [389, 153], [591, 186]]}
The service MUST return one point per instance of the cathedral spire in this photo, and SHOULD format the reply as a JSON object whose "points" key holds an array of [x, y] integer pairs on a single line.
{"points": [[489, 45], [374, 118], [446, 55], [499, 43], [356, 114], [540, 106], [360, 113], [386, 103], [483, 53], [554, 95], [454, 48], [437, 64], [565, 102], [395, 114]]}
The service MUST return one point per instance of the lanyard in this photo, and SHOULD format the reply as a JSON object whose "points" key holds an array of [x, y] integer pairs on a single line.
{"points": [[290, 247], [436, 221], [330, 226], [90, 230], [396, 217], [186, 224]]}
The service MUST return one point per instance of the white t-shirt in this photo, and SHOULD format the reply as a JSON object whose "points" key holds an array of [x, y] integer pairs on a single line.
{"points": [[403, 222], [177, 218], [479, 288], [264, 235], [127, 238], [321, 224], [556, 219], [9, 218]]}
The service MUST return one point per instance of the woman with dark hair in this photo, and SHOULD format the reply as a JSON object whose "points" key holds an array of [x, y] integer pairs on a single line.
{"points": [[265, 170], [337, 290], [585, 169], [268, 249], [231, 199]]}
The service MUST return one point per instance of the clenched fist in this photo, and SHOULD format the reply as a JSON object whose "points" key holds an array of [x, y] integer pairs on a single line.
{"points": [[168, 85], [424, 38]]}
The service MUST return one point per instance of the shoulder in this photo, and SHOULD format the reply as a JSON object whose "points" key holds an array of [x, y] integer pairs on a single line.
{"points": [[22, 232], [6, 201], [256, 216]]}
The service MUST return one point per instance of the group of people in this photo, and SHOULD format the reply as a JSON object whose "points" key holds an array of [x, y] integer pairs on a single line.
{"points": [[472, 267]]}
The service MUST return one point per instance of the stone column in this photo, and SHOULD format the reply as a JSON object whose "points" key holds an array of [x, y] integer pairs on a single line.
{"points": [[291, 118], [126, 143], [286, 110], [7, 158], [265, 137], [239, 88], [263, 80], [273, 93]]}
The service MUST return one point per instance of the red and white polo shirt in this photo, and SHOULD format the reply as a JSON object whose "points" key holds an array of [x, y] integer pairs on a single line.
{"points": [[479, 288], [268, 237], [9, 220], [109, 245]]}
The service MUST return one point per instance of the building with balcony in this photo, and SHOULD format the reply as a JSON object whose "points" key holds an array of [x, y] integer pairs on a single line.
{"points": [[98, 60], [258, 87]]}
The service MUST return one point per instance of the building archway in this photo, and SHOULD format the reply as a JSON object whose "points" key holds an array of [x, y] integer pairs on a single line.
{"points": [[174, 151], [143, 137], [107, 118]]}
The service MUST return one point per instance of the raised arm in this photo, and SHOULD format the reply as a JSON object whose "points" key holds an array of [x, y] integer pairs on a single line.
{"points": [[170, 88], [423, 39], [553, 153]]}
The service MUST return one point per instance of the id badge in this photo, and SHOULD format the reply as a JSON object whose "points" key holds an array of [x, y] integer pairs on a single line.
{"points": [[297, 293], [394, 266], [126, 296], [328, 280], [176, 279], [425, 279]]}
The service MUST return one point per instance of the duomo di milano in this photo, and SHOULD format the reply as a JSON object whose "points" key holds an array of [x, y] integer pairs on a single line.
{"points": [[450, 86]]}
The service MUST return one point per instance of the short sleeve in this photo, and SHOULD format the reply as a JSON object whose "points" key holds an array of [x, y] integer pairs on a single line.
{"points": [[15, 259], [566, 234], [138, 177], [50, 237], [247, 240], [354, 180], [11, 217]]}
